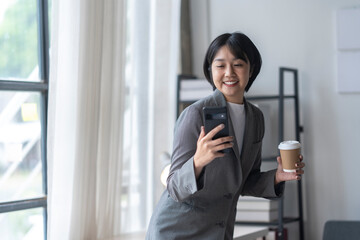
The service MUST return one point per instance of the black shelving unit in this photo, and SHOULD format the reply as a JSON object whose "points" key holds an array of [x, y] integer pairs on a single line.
{"points": [[281, 97]]}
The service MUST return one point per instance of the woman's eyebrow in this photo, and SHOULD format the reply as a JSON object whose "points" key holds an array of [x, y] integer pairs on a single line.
{"points": [[222, 60], [219, 60]]}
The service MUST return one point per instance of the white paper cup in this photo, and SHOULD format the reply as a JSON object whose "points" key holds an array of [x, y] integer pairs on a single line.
{"points": [[289, 152]]}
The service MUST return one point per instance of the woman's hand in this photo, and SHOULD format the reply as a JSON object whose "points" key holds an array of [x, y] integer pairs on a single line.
{"points": [[282, 176], [208, 149]]}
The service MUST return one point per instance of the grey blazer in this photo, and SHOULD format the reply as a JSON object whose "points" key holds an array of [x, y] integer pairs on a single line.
{"points": [[205, 208]]}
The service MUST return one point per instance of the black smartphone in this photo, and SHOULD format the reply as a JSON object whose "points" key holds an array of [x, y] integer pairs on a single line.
{"points": [[213, 117]]}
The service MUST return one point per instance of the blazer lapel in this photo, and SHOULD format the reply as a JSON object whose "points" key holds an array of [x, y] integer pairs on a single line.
{"points": [[248, 136], [219, 98], [232, 133], [221, 101]]}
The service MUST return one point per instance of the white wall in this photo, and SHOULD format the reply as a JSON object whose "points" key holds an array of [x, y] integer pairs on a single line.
{"points": [[302, 35]]}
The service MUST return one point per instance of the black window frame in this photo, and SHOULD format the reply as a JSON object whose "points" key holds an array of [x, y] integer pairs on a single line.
{"points": [[41, 87]]}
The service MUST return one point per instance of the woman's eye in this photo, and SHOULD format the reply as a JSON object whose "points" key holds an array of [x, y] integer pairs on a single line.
{"points": [[220, 66], [238, 65]]}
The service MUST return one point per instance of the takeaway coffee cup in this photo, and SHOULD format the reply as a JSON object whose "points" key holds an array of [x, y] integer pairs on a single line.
{"points": [[289, 152]]}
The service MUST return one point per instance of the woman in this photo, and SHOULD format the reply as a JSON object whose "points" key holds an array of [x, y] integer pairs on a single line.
{"points": [[204, 184]]}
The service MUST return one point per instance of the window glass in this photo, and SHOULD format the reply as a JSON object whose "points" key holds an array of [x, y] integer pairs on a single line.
{"points": [[20, 146], [19, 40], [24, 225], [137, 157]]}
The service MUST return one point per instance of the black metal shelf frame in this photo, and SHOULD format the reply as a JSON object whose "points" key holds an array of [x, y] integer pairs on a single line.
{"points": [[272, 223], [298, 129]]}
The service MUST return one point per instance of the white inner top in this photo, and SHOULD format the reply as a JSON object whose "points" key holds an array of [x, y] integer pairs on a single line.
{"points": [[237, 115]]}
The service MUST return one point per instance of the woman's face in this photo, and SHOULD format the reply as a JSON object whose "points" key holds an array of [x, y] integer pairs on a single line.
{"points": [[230, 75]]}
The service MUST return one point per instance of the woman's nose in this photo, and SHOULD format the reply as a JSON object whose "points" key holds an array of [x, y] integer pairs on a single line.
{"points": [[229, 71]]}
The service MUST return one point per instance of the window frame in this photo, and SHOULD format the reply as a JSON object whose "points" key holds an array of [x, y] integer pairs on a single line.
{"points": [[41, 87]]}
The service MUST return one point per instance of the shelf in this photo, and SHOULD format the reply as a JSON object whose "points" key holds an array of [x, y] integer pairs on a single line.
{"points": [[265, 97], [268, 97], [188, 101], [272, 223], [269, 159]]}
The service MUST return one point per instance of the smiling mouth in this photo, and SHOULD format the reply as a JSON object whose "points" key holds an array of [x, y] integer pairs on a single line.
{"points": [[231, 83]]}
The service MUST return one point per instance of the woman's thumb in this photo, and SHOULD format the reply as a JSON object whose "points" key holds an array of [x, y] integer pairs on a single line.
{"points": [[279, 161]]}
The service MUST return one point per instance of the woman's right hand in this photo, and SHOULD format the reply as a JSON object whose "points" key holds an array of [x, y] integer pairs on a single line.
{"points": [[208, 149]]}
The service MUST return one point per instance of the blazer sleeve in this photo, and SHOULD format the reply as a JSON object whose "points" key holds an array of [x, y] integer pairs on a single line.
{"points": [[181, 182]]}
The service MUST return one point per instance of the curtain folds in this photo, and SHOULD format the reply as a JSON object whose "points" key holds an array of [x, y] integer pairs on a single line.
{"points": [[86, 106], [113, 67]]}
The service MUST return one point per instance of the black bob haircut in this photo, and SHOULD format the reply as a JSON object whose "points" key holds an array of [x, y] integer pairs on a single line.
{"points": [[241, 47]]}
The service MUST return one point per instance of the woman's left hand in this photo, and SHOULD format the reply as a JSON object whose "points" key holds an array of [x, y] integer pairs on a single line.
{"points": [[282, 176]]}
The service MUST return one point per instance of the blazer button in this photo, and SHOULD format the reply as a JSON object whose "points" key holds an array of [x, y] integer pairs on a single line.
{"points": [[228, 196], [220, 224]]}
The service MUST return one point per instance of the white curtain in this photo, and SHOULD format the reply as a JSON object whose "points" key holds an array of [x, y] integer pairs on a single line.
{"points": [[86, 105], [111, 114]]}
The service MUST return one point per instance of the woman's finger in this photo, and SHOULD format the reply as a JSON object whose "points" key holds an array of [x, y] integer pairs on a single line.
{"points": [[223, 140], [202, 133], [300, 165], [223, 146], [214, 131]]}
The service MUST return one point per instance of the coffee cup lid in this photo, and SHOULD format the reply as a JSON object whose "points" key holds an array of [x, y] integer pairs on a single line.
{"points": [[288, 145]]}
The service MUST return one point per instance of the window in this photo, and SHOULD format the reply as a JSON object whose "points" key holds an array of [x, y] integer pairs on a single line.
{"points": [[24, 61], [136, 183]]}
